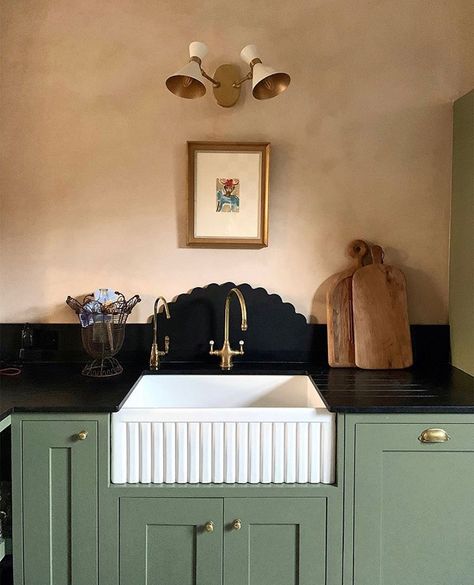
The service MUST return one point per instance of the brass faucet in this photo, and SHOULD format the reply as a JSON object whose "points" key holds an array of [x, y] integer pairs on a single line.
{"points": [[226, 352], [155, 352]]}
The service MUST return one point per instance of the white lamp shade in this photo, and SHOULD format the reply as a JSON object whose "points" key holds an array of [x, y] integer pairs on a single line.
{"points": [[249, 53], [187, 82], [267, 83], [198, 49]]}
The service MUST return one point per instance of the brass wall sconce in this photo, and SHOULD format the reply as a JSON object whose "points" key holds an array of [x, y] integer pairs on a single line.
{"points": [[188, 81]]}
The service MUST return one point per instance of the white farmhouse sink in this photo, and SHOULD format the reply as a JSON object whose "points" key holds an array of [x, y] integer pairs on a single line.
{"points": [[223, 429]]}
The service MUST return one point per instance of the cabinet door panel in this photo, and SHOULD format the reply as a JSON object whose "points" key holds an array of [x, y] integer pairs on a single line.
{"points": [[163, 541], [414, 507], [282, 541], [59, 503]]}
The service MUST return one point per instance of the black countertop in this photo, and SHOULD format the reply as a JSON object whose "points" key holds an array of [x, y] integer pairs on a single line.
{"points": [[62, 388]]}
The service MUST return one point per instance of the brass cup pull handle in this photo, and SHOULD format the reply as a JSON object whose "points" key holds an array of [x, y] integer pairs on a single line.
{"points": [[236, 524], [434, 436], [82, 436], [209, 526]]}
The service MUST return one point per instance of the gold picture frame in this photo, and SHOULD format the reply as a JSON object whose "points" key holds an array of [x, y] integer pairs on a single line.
{"points": [[228, 194]]}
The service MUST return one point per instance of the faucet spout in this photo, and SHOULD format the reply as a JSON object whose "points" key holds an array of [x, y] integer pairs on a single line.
{"points": [[226, 353], [243, 312], [155, 353]]}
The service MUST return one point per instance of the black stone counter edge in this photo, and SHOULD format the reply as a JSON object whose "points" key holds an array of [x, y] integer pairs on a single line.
{"points": [[445, 390], [402, 409]]}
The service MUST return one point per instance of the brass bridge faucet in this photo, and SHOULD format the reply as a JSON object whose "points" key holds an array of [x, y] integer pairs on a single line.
{"points": [[226, 352], [155, 352]]}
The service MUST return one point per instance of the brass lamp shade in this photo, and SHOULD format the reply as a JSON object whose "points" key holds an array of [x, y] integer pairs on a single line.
{"points": [[186, 82], [268, 83]]}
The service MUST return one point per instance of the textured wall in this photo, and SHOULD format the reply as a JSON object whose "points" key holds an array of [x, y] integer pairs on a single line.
{"points": [[94, 155]]}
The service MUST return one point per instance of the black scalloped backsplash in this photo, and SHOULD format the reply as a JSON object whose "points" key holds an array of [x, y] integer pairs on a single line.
{"points": [[276, 333], [274, 327]]}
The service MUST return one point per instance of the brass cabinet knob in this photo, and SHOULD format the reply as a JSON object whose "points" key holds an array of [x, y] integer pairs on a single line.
{"points": [[82, 436], [209, 526], [434, 436], [236, 524]]}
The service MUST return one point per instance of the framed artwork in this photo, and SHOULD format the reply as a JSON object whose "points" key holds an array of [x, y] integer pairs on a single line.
{"points": [[228, 194]]}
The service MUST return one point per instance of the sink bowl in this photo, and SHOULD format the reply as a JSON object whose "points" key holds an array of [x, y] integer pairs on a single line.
{"points": [[223, 429]]}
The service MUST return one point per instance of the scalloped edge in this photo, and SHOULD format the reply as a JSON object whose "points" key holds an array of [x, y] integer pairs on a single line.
{"points": [[276, 296]]}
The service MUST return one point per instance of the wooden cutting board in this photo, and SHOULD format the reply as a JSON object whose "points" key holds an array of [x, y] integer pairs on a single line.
{"points": [[381, 327], [341, 352]]}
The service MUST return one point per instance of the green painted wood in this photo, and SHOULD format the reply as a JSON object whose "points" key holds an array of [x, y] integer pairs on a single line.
{"points": [[281, 542], [4, 544], [17, 500], [413, 512], [461, 266], [59, 502], [163, 541]]}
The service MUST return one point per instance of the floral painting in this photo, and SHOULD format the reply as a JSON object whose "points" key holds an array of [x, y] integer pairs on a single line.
{"points": [[227, 195]]}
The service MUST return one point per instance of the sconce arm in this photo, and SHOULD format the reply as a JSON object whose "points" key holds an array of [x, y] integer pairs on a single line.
{"points": [[209, 78], [214, 82], [252, 64], [243, 80]]}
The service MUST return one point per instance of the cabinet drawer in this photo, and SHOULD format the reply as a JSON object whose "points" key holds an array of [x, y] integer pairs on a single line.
{"points": [[411, 435]]}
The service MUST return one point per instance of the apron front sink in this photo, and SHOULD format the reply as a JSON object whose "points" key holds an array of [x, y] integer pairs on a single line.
{"points": [[223, 429]]}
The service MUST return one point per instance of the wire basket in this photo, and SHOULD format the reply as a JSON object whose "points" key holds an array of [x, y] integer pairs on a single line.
{"points": [[103, 329]]}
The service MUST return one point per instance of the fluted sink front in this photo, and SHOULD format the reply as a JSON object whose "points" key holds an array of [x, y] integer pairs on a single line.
{"points": [[223, 429]]}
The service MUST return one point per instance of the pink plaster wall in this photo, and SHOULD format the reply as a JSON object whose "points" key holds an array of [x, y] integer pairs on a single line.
{"points": [[94, 146]]}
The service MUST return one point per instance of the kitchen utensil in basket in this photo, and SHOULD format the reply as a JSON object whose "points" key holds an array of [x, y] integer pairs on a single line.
{"points": [[103, 317]]}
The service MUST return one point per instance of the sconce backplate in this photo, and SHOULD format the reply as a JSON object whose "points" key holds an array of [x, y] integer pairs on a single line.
{"points": [[226, 94]]}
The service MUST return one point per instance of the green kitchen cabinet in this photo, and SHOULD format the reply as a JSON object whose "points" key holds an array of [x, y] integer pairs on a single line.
{"points": [[56, 501], [403, 508], [5, 476], [171, 541], [273, 541], [223, 541], [409, 503]]}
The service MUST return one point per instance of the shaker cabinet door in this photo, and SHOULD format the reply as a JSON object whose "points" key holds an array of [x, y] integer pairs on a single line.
{"points": [[170, 541], [413, 504], [59, 502], [275, 541]]}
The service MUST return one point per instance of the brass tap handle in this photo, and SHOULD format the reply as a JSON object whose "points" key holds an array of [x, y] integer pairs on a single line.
{"points": [[237, 524], [434, 436], [209, 526], [211, 348], [82, 436], [241, 347]]}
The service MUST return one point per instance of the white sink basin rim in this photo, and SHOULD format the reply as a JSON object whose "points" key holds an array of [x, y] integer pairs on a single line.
{"points": [[249, 396], [223, 429]]}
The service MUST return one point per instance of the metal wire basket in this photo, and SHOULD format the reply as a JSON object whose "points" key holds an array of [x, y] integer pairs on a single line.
{"points": [[103, 330]]}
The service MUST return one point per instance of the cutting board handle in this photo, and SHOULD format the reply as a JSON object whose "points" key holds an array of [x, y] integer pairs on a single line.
{"points": [[357, 249], [377, 254]]}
